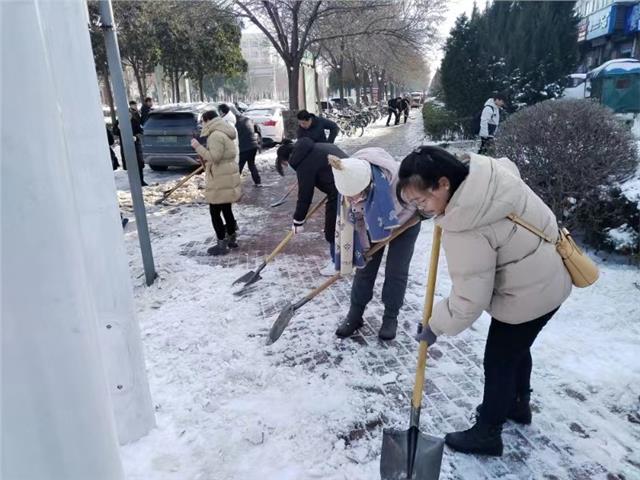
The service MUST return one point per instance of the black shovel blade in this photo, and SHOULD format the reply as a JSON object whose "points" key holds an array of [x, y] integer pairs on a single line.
{"points": [[410, 455], [281, 323], [244, 278]]}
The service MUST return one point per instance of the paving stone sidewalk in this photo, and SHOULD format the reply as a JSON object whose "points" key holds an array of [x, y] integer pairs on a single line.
{"points": [[454, 372]]}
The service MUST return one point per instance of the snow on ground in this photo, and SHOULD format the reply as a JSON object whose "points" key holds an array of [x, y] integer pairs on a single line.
{"points": [[311, 406]]}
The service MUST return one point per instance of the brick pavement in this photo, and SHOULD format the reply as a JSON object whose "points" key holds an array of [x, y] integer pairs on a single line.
{"points": [[454, 370]]}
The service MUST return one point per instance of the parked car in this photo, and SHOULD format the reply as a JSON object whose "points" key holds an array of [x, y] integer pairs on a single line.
{"points": [[168, 132], [269, 118], [575, 86], [327, 105], [417, 99], [341, 104]]}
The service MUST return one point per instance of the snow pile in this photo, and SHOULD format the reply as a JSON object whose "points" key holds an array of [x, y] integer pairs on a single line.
{"points": [[623, 237]]}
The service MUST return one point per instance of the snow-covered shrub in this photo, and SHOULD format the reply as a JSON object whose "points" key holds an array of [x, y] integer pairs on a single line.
{"points": [[440, 123], [574, 153]]}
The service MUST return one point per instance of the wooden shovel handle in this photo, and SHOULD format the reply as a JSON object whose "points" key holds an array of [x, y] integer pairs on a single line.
{"points": [[183, 181], [289, 235], [398, 231], [322, 288], [416, 400]]}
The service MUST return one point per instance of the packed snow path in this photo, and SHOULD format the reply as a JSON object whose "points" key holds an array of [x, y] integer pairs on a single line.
{"points": [[312, 406]]}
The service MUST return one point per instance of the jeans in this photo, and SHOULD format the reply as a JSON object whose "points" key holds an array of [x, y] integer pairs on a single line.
{"points": [[396, 274], [396, 113], [249, 157], [228, 226], [485, 144], [507, 365]]}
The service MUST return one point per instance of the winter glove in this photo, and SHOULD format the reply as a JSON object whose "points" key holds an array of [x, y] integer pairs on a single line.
{"points": [[425, 335], [297, 227]]}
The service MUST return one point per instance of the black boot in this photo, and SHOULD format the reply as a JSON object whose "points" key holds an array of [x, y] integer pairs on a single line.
{"points": [[519, 411], [388, 328], [219, 249], [351, 323], [232, 241], [482, 438]]}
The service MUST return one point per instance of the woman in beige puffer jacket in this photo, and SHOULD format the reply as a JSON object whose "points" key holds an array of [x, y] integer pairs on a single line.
{"points": [[495, 266], [222, 178]]}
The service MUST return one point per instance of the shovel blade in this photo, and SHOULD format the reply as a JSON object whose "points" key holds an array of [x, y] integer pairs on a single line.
{"points": [[245, 278], [281, 323], [404, 450]]}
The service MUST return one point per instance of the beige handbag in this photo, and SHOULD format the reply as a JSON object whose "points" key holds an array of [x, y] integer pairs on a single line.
{"points": [[581, 268]]}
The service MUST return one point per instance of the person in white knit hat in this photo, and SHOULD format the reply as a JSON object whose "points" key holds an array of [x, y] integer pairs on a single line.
{"points": [[369, 212]]}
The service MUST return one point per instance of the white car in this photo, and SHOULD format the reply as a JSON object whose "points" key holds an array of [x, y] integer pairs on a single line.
{"points": [[269, 118], [575, 88]]}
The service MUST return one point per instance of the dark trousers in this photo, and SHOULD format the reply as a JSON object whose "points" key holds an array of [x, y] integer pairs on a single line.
{"points": [[226, 226], [249, 157], [485, 145], [395, 278], [396, 113], [330, 213], [139, 157], [406, 115], [507, 365]]}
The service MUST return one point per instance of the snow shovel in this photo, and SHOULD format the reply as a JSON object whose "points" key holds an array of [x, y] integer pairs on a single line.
{"points": [[252, 277], [410, 454], [185, 179], [284, 197], [290, 309]]}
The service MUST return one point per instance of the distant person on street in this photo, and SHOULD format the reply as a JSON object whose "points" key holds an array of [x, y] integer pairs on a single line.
{"points": [[227, 114], [309, 160], [147, 106], [136, 128], [114, 158], [489, 121], [248, 143], [496, 266], [222, 179], [406, 108], [394, 106], [313, 127], [368, 213]]}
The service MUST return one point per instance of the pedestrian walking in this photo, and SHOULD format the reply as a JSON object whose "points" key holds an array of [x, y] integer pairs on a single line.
{"points": [[222, 179], [394, 106], [489, 121], [495, 266], [309, 160], [368, 212], [146, 109], [313, 127], [248, 144]]}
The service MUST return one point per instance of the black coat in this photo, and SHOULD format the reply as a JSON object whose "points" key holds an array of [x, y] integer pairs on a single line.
{"points": [[316, 131], [405, 105], [309, 160], [247, 138], [145, 110], [393, 104]]}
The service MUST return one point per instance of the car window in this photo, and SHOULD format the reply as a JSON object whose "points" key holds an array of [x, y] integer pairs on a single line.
{"points": [[260, 112], [170, 120]]}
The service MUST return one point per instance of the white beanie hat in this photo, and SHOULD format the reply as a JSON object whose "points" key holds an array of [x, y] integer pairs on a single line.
{"points": [[352, 175]]}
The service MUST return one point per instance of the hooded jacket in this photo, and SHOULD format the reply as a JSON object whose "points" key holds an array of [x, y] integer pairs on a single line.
{"points": [[495, 265], [489, 119], [221, 153], [247, 135], [309, 160]]}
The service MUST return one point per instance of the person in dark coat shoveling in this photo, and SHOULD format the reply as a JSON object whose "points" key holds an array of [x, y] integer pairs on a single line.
{"points": [[309, 160], [314, 127]]}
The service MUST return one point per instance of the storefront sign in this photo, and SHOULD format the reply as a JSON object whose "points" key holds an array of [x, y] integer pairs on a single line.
{"points": [[633, 19], [602, 22], [582, 29]]}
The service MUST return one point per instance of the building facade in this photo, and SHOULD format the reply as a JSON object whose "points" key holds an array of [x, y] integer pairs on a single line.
{"points": [[608, 29]]}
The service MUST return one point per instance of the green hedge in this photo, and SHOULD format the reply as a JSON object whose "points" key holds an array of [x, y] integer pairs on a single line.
{"points": [[441, 124]]}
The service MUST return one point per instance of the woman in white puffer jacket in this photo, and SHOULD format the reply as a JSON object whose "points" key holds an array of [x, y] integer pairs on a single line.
{"points": [[495, 266]]}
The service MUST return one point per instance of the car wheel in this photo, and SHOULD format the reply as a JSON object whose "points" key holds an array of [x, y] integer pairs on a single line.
{"points": [[159, 168]]}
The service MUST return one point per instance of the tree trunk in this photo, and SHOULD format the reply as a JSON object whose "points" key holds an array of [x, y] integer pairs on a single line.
{"points": [[201, 86], [341, 82], [112, 108], [177, 84], [136, 73], [316, 84], [293, 75]]}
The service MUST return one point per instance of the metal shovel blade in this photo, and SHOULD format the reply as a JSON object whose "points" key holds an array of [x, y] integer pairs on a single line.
{"points": [[244, 278], [281, 323], [410, 454]]}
